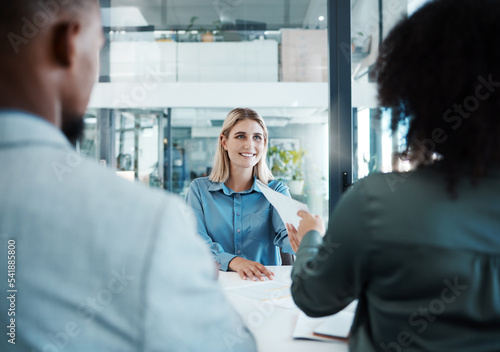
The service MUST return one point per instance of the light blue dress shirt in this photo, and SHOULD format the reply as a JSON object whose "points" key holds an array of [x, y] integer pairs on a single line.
{"points": [[97, 256], [239, 224]]}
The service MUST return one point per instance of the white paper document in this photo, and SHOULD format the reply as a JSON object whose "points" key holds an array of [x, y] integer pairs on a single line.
{"points": [[330, 328], [286, 206], [271, 292]]}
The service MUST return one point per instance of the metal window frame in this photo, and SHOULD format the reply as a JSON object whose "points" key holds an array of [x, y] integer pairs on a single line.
{"points": [[340, 96]]}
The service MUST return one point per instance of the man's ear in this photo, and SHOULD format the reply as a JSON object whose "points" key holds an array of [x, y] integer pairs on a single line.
{"points": [[65, 35]]}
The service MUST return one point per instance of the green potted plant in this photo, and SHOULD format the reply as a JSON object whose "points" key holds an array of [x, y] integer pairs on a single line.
{"points": [[296, 184], [287, 165]]}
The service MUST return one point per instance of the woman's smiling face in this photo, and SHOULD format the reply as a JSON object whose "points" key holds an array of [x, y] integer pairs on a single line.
{"points": [[245, 144]]}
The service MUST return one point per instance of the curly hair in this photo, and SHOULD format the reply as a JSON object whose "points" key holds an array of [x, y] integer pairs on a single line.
{"points": [[439, 71]]}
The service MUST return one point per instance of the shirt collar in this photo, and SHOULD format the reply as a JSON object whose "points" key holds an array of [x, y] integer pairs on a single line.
{"points": [[220, 186], [17, 127]]}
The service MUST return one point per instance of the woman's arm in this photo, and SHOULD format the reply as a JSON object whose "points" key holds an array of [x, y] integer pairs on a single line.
{"points": [[245, 268], [194, 200]]}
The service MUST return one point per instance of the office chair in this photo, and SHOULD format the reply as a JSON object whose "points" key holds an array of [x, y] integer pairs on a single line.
{"points": [[286, 258]]}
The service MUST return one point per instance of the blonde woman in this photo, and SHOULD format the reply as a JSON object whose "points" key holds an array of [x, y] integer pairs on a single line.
{"points": [[241, 227]]}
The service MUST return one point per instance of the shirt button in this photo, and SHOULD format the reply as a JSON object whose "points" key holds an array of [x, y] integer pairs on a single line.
{"points": [[237, 196], [238, 230], [238, 251], [237, 214]]}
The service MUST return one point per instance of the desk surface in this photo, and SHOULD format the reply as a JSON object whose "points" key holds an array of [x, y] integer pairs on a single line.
{"points": [[271, 325]]}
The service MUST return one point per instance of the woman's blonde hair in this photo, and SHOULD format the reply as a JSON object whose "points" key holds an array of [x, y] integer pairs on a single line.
{"points": [[221, 167]]}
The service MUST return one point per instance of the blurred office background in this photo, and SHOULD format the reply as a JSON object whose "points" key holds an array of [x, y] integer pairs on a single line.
{"points": [[171, 70]]}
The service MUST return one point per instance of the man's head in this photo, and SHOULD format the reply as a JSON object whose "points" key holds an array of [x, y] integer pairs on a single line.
{"points": [[440, 70], [50, 55]]}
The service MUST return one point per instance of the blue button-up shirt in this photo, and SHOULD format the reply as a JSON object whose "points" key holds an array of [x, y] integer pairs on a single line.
{"points": [[242, 224]]}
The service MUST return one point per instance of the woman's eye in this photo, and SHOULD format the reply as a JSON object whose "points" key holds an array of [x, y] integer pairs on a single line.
{"points": [[240, 136], [258, 138]]}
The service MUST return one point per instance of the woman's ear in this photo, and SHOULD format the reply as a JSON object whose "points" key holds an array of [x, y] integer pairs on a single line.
{"points": [[223, 142]]}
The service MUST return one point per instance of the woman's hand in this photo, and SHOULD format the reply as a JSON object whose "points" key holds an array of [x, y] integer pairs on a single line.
{"points": [[308, 223], [249, 269], [292, 236]]}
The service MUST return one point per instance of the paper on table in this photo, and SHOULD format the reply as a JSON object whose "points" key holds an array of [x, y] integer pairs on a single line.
{"points": [[271, 292], [330, 328], [336, 326], [306, 327], [286, 206]]}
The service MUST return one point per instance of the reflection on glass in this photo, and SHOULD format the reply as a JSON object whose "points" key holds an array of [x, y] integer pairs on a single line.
{"points": [[88, 144], [157, 49], [297, 155], [137, 146], [375, 147], [217, 41]]}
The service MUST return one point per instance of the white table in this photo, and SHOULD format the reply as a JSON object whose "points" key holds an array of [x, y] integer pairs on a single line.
{"points": [[273, 326]]}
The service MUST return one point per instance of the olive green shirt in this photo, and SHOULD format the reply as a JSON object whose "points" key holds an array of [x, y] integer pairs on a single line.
{"points": [[424, 267]]}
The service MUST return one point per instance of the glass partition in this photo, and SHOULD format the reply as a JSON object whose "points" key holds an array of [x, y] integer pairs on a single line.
{"points": [[171, 71], [375, 147], [296, 155], [217, 41]]}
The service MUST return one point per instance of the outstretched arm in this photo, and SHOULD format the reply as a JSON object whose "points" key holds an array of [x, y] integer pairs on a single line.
{"points": [[329, 272]]}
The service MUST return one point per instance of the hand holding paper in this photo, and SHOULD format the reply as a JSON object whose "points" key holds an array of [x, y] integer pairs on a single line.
{"points": [[293, 213], [308, 223]]}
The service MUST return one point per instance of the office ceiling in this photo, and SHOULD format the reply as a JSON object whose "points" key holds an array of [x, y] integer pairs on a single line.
{"points": [[276, 14]]}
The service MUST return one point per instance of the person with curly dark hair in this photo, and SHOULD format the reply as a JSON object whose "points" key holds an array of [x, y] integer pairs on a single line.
{"points": [[420, 251]]}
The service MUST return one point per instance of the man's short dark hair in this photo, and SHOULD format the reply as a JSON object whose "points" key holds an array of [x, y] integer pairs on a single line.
{"points": [[20, 20], [439, 71]]}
